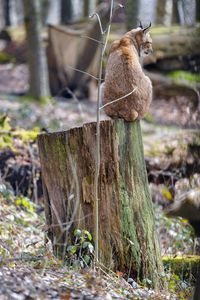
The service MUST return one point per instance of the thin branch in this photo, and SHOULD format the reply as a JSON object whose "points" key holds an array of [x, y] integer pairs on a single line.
{"points": [[98, 157], [75, 99], [34, 177], [109, 24], [99, 20], [92, 39], [83, 72], [118, 99]]}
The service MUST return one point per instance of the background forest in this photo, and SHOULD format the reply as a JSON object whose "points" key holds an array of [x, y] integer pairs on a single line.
{"points": [[48, 70]]}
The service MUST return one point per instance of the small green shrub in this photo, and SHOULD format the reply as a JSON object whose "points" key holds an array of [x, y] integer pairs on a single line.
{"points": [[8, 134], [80, 254]]}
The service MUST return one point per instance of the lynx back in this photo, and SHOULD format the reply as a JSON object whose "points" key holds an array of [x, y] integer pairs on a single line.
{"points": [[124, 76]]}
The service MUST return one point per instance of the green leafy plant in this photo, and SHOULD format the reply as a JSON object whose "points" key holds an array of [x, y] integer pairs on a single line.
{"points": [[5, 132], [24, 203], [18, 218], [178, 286], [8, 134], [80, 254]]}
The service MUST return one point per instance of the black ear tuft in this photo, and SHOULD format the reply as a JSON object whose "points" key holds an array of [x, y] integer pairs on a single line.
{"points": [[147, 28], [141, 25]]}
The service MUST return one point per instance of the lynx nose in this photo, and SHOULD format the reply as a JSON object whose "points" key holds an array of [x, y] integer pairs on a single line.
{"points": [[148, 51]]}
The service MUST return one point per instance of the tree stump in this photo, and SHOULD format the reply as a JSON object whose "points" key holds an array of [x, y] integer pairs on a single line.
{"points": [[127, 238]]}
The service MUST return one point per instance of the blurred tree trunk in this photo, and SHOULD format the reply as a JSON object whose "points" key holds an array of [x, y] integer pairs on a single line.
{"points": [[39, 86], [160, 11], [132, 10], [45, 5], [198, 10], [86, 8], [175, 12], [7, 12], [2, 18], [89, 7], [66, 11]]}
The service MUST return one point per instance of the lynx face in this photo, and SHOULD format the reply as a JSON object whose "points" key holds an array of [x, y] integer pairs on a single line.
{"points": [[146, 45]]}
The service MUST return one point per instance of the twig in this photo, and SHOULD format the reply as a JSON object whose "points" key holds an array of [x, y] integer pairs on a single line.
{"points": [[33, 169], [97, 165], [84, 72], [92, 39], [99, 20], [118, 99], [75, 99]]}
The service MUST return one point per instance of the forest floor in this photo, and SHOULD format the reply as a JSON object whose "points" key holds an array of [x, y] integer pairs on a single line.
{"points": [[28, 270]]}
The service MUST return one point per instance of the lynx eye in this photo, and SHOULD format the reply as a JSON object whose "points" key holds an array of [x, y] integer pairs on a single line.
{"points": [[147, 44]]}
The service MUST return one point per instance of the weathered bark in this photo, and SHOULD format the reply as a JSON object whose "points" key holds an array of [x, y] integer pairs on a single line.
{"points": [[196, 295], [127, 238], [39, 87]]}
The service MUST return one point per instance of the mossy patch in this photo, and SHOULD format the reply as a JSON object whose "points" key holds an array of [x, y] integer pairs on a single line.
{"points": [[8, 134], [6, 58], [184, 76], [183, 266]]}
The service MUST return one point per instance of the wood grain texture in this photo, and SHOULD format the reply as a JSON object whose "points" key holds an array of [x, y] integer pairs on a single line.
{"points": [[127, 238]]}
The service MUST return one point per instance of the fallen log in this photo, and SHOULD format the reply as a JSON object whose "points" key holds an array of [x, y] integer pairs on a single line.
{"points": [[175, 48], [174, 103], [127, 238], [73, 54]]}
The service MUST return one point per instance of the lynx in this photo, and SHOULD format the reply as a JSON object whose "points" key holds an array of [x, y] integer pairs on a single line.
{"points": [[124, 75]]}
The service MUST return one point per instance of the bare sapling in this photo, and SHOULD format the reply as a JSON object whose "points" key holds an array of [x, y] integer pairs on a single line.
{"points": [[103, 44]]}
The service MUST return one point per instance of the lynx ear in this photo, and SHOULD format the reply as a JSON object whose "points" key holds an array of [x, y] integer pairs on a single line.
{"points": [[146, 29], [141, 25]]}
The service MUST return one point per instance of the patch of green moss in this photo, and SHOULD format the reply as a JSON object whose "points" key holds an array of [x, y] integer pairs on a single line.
{"points": [[184, 266], [6, 58], [43, 100], [8, 133], [157, 30], [184, 75], [27, 135]]}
